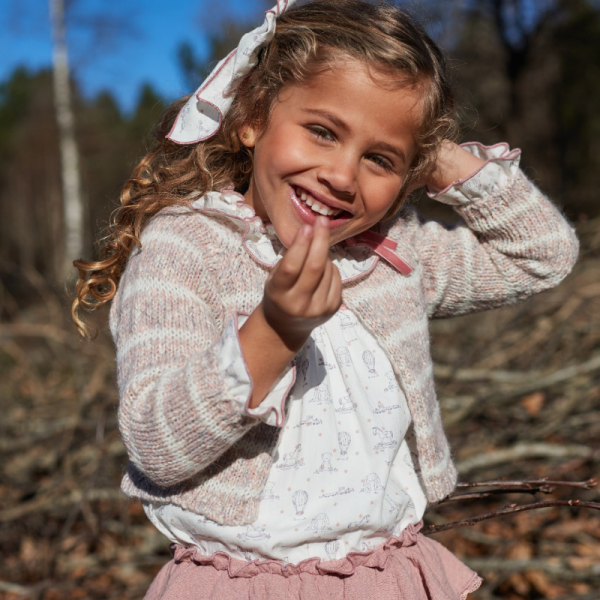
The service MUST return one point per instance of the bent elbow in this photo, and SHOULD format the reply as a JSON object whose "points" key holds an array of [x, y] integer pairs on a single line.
{"points": [[562, 256], [153, 456]]}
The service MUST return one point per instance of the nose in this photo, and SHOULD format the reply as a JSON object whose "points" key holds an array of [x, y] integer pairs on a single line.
{"points": [[339, 173]]}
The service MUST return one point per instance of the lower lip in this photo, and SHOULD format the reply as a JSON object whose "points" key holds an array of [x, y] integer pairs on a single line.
{"points": [[309, 216]]}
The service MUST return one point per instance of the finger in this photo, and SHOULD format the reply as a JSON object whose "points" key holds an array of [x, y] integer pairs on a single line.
{"points": [[328, 294], [319, 303], [317, 257], [289, 268], [334, 297]]}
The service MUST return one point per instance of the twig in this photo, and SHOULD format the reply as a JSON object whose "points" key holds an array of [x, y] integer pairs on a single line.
{"points": [[54, 428], [34, 330], [549, 380], [589, 596], [586, 485], [526, 486], [561, 570], [528, 381], [508, 510], [497, 492], [524, 450], [46, 504], [20, 590], [544, 329]]}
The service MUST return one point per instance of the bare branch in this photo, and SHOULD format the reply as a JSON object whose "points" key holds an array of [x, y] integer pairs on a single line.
{"points": [[524, 450], [48, 504], [560, 570], [531, 380], [498, 492], [508, 510], [586, 485], [525, 486]]}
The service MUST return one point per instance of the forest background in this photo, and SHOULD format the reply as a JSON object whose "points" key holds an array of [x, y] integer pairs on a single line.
{"points": [[519, 387]]}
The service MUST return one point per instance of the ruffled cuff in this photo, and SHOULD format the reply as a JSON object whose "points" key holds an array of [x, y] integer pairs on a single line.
{"points": [[237, 377], [499, 169]]}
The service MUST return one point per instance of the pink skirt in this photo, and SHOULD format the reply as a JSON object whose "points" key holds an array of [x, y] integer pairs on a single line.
{"points": [[409, 567]]}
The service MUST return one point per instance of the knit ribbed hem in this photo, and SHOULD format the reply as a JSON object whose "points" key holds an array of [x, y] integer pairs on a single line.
{"points": [[436, 489], [232, 511]]}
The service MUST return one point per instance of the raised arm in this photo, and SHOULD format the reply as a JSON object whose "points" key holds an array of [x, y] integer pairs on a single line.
{"points": [[512, 243]]}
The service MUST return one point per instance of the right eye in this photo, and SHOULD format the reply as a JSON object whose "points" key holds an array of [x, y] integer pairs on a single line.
{"points": [[321, 132]]}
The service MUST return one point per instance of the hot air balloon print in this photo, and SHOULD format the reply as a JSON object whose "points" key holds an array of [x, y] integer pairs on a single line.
{"points": [[369, 361], [304, 370], [299, 499], [344, 440]]}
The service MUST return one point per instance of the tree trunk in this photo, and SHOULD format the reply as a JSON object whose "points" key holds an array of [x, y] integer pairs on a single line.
{"points": [[72, 200]]}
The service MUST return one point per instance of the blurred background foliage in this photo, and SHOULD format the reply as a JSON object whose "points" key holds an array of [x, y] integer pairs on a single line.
{"points": [[526, 71]]}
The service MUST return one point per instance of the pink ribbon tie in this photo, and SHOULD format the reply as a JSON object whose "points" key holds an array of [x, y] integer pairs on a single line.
{"points": [[383, 247]]}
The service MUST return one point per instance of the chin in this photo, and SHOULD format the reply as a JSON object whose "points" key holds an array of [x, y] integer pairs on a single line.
{"points": [[287, 237]]}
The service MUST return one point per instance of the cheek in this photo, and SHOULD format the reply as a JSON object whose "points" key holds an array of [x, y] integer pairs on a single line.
{"points": [[284, 154], [381, 200]]}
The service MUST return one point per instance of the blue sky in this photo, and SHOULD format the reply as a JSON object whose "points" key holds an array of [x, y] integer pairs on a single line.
{"points": [[139, 41]]}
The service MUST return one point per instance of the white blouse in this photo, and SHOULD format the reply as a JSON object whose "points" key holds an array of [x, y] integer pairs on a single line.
{"points": [[345, 476]]}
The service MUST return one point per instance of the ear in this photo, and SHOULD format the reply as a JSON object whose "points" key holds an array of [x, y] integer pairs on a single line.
{"points": [[247, 135]]}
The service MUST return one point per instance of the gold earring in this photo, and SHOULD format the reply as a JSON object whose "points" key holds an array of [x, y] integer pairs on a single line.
{"points": [[245, 135]]}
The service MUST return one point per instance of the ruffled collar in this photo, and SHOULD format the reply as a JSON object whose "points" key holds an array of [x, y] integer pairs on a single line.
{"points": [[263, 245]]}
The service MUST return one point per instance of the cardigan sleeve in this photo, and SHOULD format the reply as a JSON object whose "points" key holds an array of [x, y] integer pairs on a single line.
{"points": [[512, 241], [179, 409]]}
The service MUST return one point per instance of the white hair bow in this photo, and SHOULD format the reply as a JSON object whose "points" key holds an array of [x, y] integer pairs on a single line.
{"points": [[202, 114]]}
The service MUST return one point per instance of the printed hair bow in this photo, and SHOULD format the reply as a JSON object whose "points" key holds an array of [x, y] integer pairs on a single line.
{"points": [[203, 113]]}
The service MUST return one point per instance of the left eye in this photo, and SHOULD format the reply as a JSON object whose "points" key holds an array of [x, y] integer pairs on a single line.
{"points": [[321, 132], [381, 161]]}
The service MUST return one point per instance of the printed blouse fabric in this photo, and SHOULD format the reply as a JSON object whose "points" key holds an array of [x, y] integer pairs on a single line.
{"points": [[343, 479]]}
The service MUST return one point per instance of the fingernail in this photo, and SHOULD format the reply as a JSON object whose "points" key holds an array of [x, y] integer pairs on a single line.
{"points": [[306, 229]]}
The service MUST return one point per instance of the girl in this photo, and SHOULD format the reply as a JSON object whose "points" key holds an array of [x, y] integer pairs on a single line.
{"points": [[277, 397]]}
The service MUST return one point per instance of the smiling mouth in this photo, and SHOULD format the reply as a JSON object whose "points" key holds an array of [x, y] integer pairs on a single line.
{"points": [[317, 207]]}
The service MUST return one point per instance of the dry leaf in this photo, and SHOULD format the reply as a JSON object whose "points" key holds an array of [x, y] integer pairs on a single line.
{"points": [[582, 562], [522, 550], [519, 583], [539, 580], [588, 550], [533, 403], [28, 551]]}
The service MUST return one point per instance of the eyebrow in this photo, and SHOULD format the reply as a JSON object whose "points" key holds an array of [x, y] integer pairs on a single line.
{"points": [[327, 115], [344, 126]]}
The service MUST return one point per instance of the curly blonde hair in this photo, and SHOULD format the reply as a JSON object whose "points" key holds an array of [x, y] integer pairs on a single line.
{"points": [[307, 41]]}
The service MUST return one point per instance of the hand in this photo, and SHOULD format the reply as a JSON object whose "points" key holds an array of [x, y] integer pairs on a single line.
{"points": [[304, 289], [452, 163]]}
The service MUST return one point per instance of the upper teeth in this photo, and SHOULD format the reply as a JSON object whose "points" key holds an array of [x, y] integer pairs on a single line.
{"points": [[317, 206]]}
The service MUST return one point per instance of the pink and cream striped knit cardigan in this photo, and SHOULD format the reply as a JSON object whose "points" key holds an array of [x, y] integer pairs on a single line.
{"points": [[189, 443]]}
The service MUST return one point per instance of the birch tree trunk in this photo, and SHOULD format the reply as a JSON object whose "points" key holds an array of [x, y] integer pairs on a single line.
{"points": [[72, 200]]}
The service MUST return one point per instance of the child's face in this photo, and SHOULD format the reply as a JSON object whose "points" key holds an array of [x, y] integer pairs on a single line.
{"points": [[341, 142]]}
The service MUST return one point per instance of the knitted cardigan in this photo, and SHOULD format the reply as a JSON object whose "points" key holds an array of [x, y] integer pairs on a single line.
{"points": [[188, 441]]}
